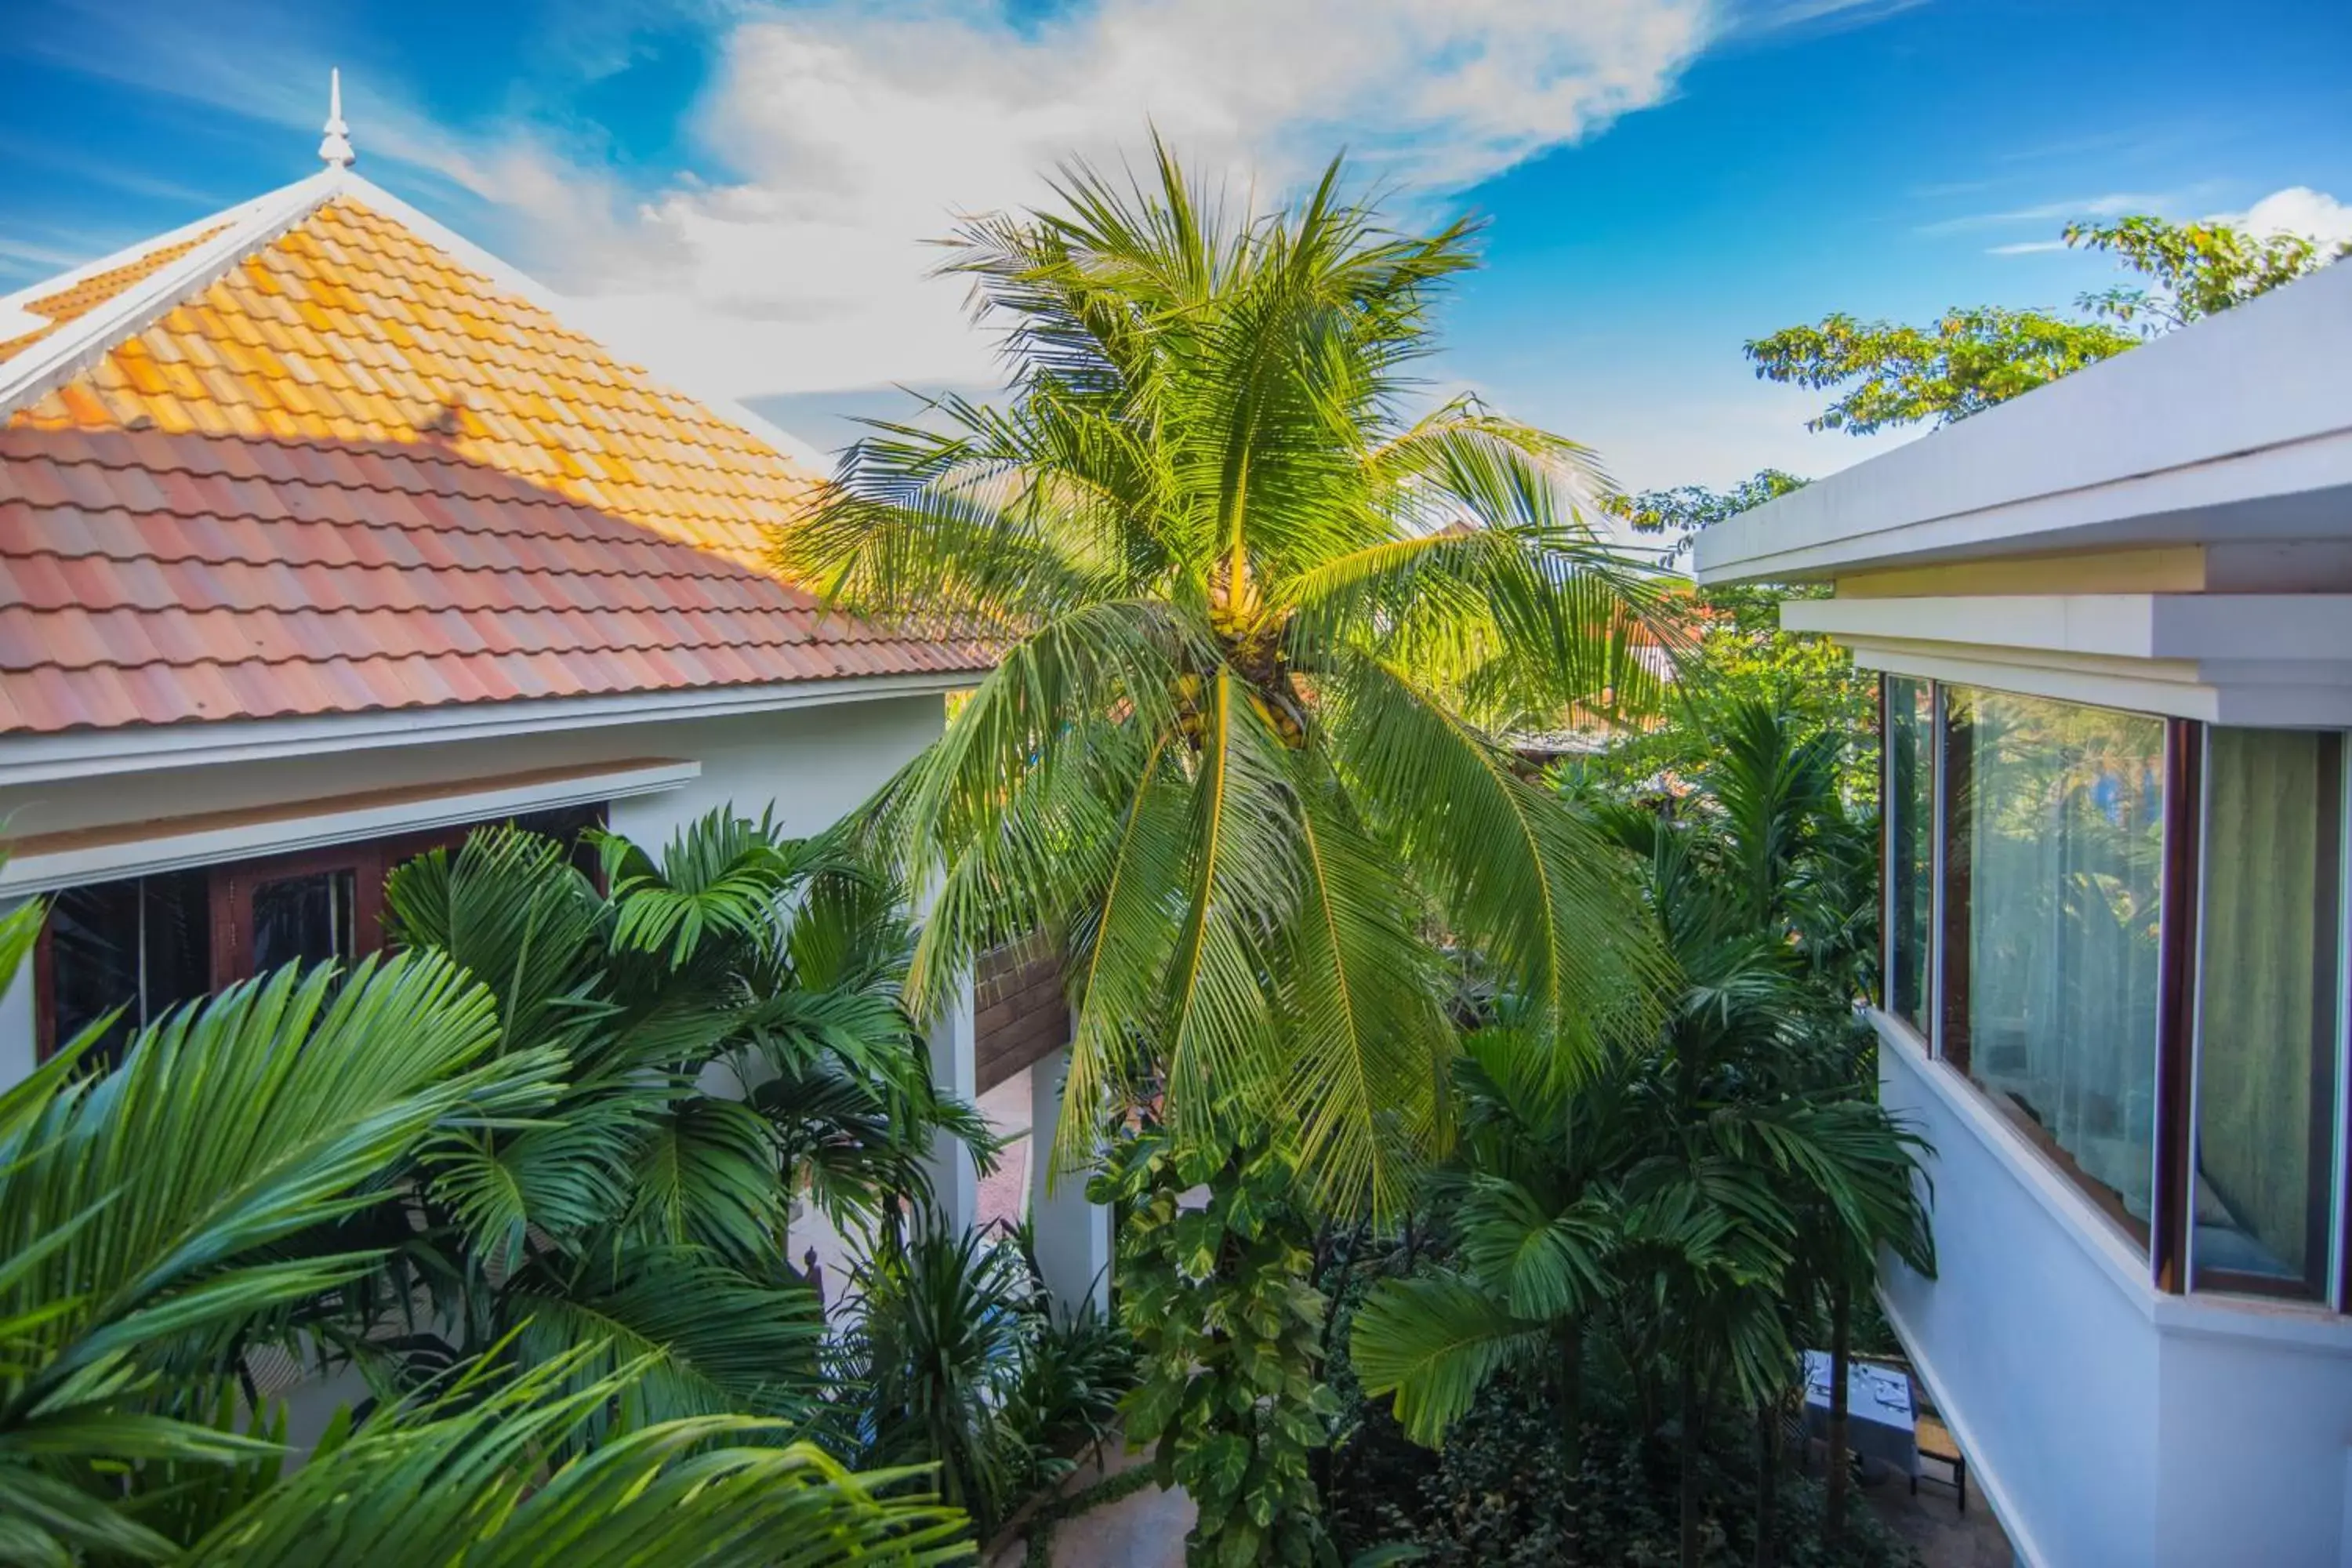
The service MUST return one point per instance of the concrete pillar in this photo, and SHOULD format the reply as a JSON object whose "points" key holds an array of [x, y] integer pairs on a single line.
{"points": [[1074, 1240], [955, 1069]]}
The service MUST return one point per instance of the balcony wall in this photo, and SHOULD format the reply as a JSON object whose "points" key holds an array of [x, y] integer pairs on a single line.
{"points": [[2108, 1423]]}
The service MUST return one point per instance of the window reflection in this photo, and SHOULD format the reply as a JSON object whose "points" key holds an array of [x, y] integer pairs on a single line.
{"points": [[142, 944], [1910, 829], [304, 919], [2054, 870]]}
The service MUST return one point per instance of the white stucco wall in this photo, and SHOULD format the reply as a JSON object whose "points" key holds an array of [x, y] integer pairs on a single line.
{"points": [[2109, 1425], [816, 764]]}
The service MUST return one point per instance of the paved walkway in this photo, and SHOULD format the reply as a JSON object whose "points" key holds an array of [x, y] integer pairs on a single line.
{"points": [[1141, 1530]]}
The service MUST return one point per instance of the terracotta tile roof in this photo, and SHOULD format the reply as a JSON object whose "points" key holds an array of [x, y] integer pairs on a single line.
{"points": [[352, 473]]}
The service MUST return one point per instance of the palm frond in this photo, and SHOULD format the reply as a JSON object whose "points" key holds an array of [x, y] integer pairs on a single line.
{"points": [[1435, 1341]]}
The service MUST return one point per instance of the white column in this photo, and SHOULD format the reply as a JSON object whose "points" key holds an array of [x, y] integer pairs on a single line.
{"points": [[955, 1069], [1074, 1241]]}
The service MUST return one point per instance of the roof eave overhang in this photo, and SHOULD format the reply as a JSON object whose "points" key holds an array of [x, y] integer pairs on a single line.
{"points": [[79, 753]]}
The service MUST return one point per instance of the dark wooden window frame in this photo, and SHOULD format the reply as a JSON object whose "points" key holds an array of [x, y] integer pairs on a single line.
{"points": [[232, 900], [229, 886], [2176, 1002]]}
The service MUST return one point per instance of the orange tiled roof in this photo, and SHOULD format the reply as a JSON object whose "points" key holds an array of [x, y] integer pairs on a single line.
{"points": [[351, 472]]}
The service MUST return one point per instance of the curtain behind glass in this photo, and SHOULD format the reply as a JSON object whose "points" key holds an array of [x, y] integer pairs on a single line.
{"points": [[2063, 839], [2266, 1005]]}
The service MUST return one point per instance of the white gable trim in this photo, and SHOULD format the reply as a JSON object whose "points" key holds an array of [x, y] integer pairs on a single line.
{"points": [[77, 345]]}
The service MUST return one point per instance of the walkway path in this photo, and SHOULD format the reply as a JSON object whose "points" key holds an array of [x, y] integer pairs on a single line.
{"points": [[1141, 1530]]}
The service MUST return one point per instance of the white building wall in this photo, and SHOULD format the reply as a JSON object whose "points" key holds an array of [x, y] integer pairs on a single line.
{"points": [[814, 764], [2109, 1425]]}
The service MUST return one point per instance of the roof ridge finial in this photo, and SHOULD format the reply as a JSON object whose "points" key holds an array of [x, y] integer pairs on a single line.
{"points": [[335, 147]]}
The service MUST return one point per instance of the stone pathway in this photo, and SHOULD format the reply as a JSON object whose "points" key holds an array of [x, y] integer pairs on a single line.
{"points": [[1141, 1530]]}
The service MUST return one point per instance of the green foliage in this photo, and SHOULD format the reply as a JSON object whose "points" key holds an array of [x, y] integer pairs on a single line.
{"points": [[1687, 1209], [934, 1350], [955, 1355], [1682, 511], [2198, 269], [637, 1216], [1737, 655], [222, 1186], [1259, 632], [1973, 357], [462, 1477], [1074, 1372], [1228, 1330], [1497, 1494], [1965, 361]]}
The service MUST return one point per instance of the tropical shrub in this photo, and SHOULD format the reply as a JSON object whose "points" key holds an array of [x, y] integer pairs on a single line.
{"points": [[1228, 1328], [641, 1207], [158, 1219], [1076, 1369], [1694, 1209], [933, 1353]]}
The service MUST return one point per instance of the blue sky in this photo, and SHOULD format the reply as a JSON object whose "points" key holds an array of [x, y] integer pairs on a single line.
{"points": [[735, 190]]}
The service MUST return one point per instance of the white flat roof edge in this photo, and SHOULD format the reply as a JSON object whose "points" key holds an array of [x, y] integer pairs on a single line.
{"points": [[2220, 395]]}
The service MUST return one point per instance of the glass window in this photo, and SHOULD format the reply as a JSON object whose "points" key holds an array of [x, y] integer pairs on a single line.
{"points": [[142, 944], [2266, 1010], [2053, 870], [304, 919], [1910, 808]]}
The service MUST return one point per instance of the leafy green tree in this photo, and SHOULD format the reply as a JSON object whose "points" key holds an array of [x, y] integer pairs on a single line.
{"points": [[1734, 652], [1529, 1193], [2198, 268], [1258, 630], [1229, 1329], [1973, 357]]}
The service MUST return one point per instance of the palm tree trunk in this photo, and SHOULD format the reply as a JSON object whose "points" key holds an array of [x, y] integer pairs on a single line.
{"points": [[1840, 1475], [1690, 1423], [1767, 1479], [1571, 1433]]}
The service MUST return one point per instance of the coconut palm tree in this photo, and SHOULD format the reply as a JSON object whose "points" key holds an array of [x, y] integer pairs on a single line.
{"points": [[1261, 623]]}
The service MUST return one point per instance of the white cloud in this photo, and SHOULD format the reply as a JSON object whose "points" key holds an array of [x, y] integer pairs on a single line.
{"points": [[850, 131], [2112, 204], [2298, 209], [859, 134], [2026, 247]]}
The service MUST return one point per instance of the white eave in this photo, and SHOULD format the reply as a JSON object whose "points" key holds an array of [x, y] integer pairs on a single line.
{"points": [[2236, 428]]}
